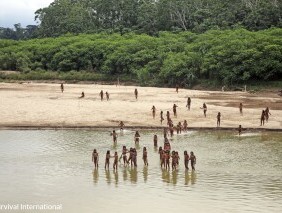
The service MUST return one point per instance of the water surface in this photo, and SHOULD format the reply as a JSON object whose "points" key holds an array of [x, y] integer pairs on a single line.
{"points": [[233, 174]]}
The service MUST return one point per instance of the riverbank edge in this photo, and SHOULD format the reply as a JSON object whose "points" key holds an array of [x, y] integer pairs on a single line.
{"points": [[72, 127]]}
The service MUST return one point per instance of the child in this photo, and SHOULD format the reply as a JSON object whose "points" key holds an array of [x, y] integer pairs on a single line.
{"points": [[130, 156], [173, 161], [107, 161], [193, 160], [186, 160], [167, 160], [134, 157], [95, 158], [163, 158], [160, 152], [145, 156]]}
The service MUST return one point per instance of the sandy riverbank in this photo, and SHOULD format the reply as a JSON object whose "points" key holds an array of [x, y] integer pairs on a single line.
{"points": [[41, 104]]}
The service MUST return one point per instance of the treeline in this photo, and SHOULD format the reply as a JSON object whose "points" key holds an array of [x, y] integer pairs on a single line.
{"points": [[153, 16], [149, 17], [225, 56]]}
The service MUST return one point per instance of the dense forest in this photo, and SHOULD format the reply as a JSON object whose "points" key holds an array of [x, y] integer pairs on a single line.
{"points": [[154, 42], [227, 56], [149, 17]]}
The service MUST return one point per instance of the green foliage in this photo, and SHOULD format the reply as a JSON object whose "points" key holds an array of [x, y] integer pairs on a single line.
{"points": [[184, 58]]}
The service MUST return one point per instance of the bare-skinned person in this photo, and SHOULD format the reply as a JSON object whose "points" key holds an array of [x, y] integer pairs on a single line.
{"points": [[205, 109], [167, 116], [262, 118], [160, 152], [134, 157], [185, 126], [163, 158], [154, 111], [82, 95], [130, 156], [240, 129], [107, 160], [145, 156], [102, 95], [114, 134], [174, 110], [136, 137], [136, 93], [267, 113], [176, 88], [165, 132], [179, 128], [95, 158], [241, 108], [107, 96], [188, 105], [173, 160], [167, 159], [193, 160], [218, 119], [186, 160], [115, 165], [121, 125], [155, 141], [124, 156], [162, 116], [62, 87]]}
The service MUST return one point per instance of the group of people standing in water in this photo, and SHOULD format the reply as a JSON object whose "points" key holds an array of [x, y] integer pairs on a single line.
{"points": [[168, 159]]}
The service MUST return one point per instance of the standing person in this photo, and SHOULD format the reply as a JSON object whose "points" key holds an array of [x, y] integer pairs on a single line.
{"points": [[241, 108], [121, 125], [102, 95], [95, 158], [218, 119], [130, 156], [136, 137], [176, 88], [155, 141], [178, 128], [193, 160], [240, 129], [188, 103], [174, 110], [162, 116], [115, 164], [186, 160], [262, 118], [136, 93], [205, 109], [134, 157], [124, 156], [114, 134], [167, 116], [165, 132], [107, 160], [145, 156], [62, 87], [160, 152], [82, 95], [185, 126], [267, 113], [154, 111], [167, 159], [107, 96]]}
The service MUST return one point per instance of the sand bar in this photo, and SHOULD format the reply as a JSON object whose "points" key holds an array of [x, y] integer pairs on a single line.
{"points": [[43, 105]]}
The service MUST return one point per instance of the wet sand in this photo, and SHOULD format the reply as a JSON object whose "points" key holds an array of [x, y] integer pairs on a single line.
{"points": [[43, 105]]}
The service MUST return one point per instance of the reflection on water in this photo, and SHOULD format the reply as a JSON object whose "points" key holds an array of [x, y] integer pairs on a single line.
{"points": [[233, 174]]}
